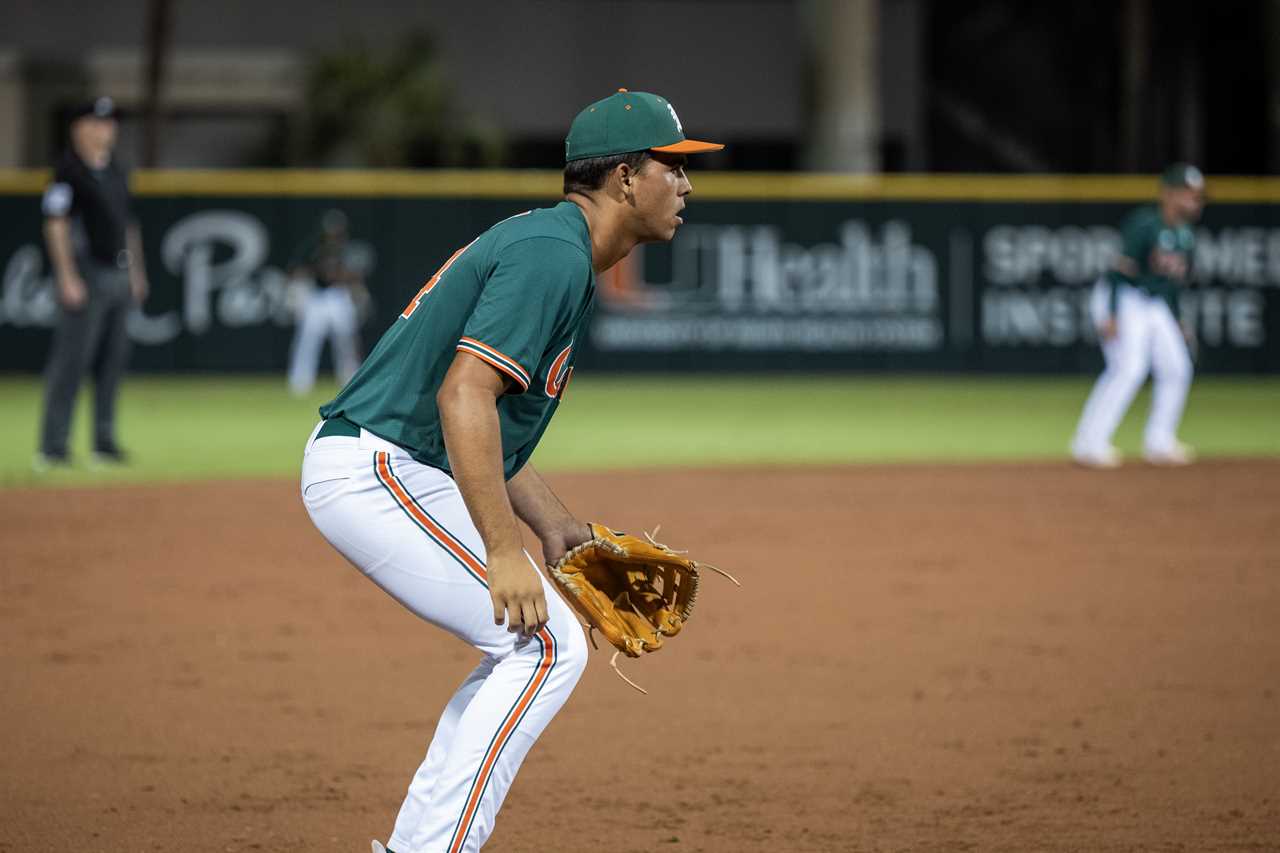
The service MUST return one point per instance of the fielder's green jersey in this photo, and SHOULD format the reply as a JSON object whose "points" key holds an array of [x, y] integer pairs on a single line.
{"points": [[1162, 252], [518, 298]]}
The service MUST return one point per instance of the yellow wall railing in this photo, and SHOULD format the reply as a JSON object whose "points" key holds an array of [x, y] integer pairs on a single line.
{"points": [[545, 184]]}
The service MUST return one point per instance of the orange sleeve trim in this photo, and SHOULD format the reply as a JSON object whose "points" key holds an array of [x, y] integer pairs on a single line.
{"points": [[494, 358]]}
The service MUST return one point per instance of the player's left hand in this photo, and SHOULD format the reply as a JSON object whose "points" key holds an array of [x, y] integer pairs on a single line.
{"points": [[557, 542]]}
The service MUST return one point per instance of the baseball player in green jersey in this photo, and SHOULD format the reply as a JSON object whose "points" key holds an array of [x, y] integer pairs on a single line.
{"points": [[1135, 307], [420, 467]]}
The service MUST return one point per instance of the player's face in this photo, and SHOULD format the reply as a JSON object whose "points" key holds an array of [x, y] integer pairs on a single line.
{"points": [[1186, 202], [659, 189], [96, 132]]}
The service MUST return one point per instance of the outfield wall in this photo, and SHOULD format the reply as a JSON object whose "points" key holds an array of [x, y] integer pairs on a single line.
{"points": [[810, 272]]}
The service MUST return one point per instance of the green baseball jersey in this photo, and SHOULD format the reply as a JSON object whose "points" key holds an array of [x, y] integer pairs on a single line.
{"points": [[518, 297], [1162, 253]]}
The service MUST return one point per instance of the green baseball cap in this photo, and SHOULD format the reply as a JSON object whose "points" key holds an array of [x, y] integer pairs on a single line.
{"points": [[1182, 176], [629, 121]]}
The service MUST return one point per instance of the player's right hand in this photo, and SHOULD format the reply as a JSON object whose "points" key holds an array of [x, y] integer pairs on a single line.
{"points": [[1107, 331], [518, 598], [72, 292]]}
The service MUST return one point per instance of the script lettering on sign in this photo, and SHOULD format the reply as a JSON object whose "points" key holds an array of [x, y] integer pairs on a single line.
{"points": [[220, 253], [218, 257]]}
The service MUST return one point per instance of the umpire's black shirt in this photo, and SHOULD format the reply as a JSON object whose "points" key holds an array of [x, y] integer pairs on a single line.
{"points": [[97, 203]]}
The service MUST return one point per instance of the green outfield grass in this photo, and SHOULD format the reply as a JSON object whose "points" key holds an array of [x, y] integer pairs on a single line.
{"points": [[182, 428]]}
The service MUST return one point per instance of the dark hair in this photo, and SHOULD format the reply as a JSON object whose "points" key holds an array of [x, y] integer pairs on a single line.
{"points": [[588, 174]]}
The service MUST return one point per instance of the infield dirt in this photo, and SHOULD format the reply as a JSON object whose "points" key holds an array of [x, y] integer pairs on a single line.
{"points": [[1004, 658]]}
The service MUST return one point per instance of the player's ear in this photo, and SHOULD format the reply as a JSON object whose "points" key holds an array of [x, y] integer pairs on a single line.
{"points": [[622, 180]]}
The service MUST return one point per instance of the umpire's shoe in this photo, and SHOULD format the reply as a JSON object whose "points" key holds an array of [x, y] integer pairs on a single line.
{"points": [[109, 454], [46, 461]]}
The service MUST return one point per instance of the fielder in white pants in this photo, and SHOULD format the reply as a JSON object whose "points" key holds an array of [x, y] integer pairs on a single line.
{"points": [[405, 526], [419, 474], [329, 313], [337, 269], [1133, 310], [1147, 340]]}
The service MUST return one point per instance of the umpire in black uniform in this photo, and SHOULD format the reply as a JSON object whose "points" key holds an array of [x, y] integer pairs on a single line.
{"points": [[96, 251]]}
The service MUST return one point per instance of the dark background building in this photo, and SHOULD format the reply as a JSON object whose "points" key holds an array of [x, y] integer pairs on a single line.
{"points": [[843, 85]]}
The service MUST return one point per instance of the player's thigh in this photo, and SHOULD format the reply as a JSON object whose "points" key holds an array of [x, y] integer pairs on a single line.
{"points": [[342, 311], [377, 508], [1170, 357], [405, 526], [452, 590], [311, 322], [336, 499], [1100, 302], [1130, 350]]}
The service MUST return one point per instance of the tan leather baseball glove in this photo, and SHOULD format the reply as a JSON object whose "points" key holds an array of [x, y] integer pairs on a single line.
{"points": [[634, 591]]}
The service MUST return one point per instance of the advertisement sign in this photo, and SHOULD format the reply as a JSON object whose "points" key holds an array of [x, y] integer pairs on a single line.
{"points": [[747, 284]]}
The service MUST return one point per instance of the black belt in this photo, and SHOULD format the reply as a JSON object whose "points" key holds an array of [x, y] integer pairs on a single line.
{"points": [[338, 426]]}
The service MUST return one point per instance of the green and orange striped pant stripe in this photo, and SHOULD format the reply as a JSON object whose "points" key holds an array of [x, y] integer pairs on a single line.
{"points": [[474, 566], [516, 713], [425, 521]]}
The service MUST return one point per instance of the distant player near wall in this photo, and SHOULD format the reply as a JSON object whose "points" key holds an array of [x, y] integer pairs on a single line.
{"points": [[329, 311], [1135, 308]]}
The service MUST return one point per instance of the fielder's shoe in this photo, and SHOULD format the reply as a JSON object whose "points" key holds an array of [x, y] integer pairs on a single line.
{"points": [[1103, 458], [378, 848], [109, 454], [50, 461], [1175, 456]]}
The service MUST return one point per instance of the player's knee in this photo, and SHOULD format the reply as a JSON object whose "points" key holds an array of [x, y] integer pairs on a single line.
{"points": [[1131, 374], [1177, 372], [1173, 369]]}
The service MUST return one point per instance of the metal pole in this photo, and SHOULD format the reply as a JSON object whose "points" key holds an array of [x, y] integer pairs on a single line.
{"points": [[844, 40], [1192, 118], [1135, 62], [1271, 20], [159, 20]]}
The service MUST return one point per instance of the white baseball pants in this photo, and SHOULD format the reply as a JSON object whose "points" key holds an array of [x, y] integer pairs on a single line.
{"points": [[328, 313], [1148, 340], [404, 525]]}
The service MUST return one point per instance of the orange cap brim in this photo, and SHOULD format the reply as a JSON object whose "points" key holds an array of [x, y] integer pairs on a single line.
{"points": [[689, 146]]}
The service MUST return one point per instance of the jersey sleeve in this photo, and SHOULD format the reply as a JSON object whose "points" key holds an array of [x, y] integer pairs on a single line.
{"points": [[529, 295], [59, 197]]}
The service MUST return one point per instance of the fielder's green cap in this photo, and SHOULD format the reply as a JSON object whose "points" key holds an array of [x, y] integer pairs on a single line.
{"points": [[629, 121], [1182, 176]]}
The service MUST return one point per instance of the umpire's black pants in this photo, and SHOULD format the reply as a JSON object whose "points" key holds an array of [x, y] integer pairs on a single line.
{"points": [[93, 336]]}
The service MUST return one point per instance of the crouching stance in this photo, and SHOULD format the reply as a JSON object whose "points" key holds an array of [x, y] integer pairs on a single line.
{"points": [[419, 469]]}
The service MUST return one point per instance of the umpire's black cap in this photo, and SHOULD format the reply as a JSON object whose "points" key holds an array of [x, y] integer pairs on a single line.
{"points": [[100, 107]]}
